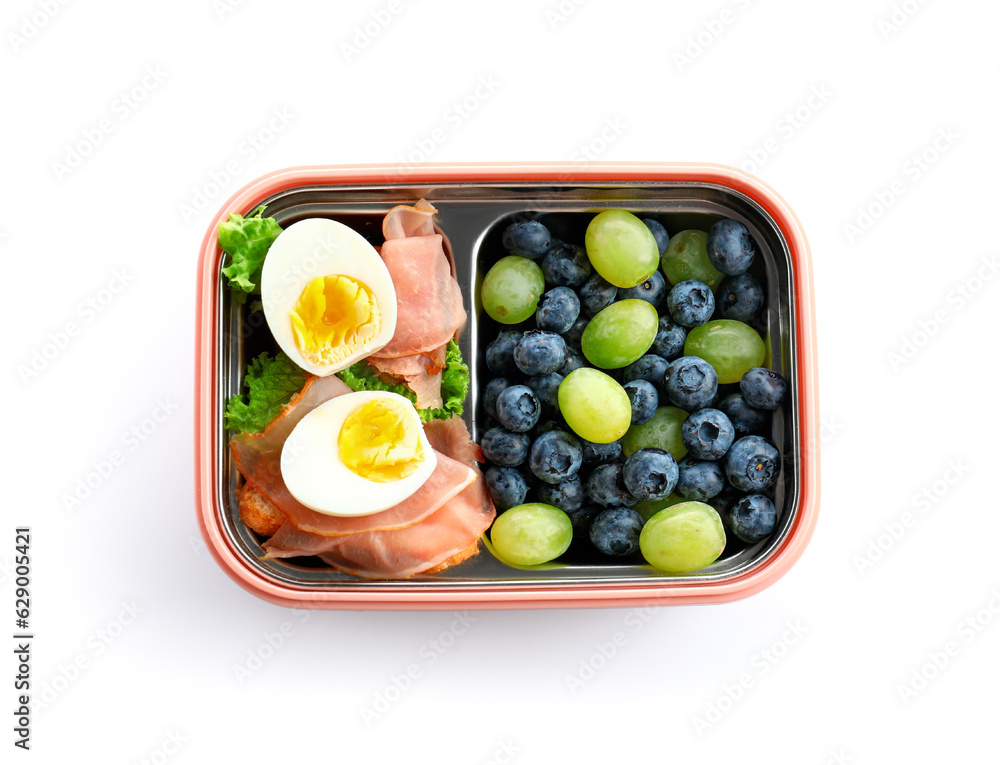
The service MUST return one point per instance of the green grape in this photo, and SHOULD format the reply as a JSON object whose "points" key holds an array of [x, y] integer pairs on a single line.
{"points": [[620, 334], [621, 248], [594, 405], [687, 258], [511, 289], [683, 538], [661, 432], [527, 535], [647, 508], [731, 347]]}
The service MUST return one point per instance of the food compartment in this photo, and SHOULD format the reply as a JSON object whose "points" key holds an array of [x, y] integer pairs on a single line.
{"points": [[472, 216], [774, 323]]}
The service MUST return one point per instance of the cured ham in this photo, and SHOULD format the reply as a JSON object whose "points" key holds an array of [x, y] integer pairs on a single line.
{"points": [[437, 526], [405, 366], [429, 300], [403, 221], [428, 390], [445, 534], [258, 458], [258, 455], [421, 373], [297, 538], [452, 437], [448, 478], [402, 553]]}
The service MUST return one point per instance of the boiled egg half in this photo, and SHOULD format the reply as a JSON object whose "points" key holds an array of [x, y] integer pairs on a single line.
{"points": [[357, 454], [328, 297]]}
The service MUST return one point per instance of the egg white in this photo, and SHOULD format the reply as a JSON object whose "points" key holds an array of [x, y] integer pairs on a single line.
{"points": [[321, 247], [316, 477]]}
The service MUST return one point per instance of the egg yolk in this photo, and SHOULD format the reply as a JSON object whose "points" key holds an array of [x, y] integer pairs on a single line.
{"points": [[380, 441], [334, 316]]}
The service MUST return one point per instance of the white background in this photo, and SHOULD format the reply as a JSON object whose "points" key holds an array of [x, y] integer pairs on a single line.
{"points": [[563, 74]]}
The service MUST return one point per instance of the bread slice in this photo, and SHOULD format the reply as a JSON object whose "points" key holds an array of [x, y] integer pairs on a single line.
{"points": [[257, 511]]}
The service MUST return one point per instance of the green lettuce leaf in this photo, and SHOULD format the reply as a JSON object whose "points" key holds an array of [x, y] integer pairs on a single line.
{"points": [[454, 384], [270, 384], [246, 241], [454, 387], [362, 376]]}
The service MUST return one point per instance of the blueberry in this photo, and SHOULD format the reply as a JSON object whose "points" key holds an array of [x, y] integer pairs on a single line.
{"points": [[723, 501], [651, 368], [596, 294], [575, 333], [650, 474], [606, 486], [567, 495], [538, 352], [744, 417], [543, 426], [659, 233], [506, 486], [500, 353], [557, 310], [504, 448], [652, 290], [493, 389], [699, 479], [566, 265], [752, 464], [518, 408], [644, 399], [546, 389], [529, 239], [740, 297], [763, 388], [595, 453], [555, 457], [581, 518], [751, 518], [730, 247], [669, 340], [708, 434], [691, 383], [573, 362], [691, 303], [615, 531]]}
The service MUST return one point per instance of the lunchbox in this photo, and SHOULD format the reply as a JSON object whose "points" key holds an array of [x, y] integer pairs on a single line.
{"points": [[474, 201]]}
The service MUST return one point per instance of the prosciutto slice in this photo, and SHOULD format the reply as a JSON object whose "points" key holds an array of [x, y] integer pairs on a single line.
{"points": [[258, 455], [258, 458], [451, 530], [429, 300], [402, 553], [408, 366], [421, 373], [403, 221], [448, 479], [452, 437]]}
